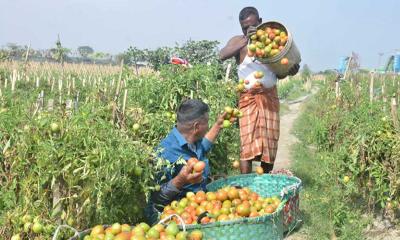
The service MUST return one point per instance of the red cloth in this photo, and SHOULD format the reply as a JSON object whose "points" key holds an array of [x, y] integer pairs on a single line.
{"points": [[179, 61]]}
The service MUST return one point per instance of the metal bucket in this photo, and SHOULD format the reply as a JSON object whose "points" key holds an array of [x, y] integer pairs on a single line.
{"points": [[290, 52]]}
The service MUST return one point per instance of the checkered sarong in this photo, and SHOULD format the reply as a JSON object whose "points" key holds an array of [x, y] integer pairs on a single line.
{"points": [[259, 126]]}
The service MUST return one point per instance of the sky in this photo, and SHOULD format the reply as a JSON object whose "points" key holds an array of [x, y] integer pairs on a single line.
{"points": [[323, 30]]}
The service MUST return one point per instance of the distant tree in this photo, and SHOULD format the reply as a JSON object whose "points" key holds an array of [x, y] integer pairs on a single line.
{"points": [[158, 57], [135, 55], [306, 72], [85, 51], [119, 57], [59, 53], [99, 56], [199, 52], [15, 50], [4, 55]]}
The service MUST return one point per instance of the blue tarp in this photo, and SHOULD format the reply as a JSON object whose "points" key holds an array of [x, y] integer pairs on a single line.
{"points": [[396, 64], [343, 64]]}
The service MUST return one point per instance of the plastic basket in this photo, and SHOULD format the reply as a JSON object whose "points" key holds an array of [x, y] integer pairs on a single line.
{"points": [[266, 185]]}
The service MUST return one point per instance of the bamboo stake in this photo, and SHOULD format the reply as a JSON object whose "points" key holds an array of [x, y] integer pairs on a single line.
{"points": [[27, 53], [52, 85], [76, 102], [371, 89], [384, 103], [119, 81], [124, 101], [50, 105], [337, 91], [228, 69], [59, 90], [393, 78], [14, 79], [68, 107], [394, 113], [68, 88]]}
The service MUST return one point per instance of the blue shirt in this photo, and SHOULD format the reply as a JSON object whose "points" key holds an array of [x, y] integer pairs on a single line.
{"points": [[175, 147]]}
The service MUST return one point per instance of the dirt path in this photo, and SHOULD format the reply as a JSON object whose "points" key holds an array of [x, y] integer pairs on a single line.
{"points": [[286, 139], [286, 142]]}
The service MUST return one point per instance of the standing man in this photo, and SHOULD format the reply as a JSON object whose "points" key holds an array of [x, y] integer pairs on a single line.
{"points": [[259, 126]]}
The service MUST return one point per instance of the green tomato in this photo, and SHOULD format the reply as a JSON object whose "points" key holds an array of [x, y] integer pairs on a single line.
{"points": [[172, 229], [27, 218], [16, 237], [138, 171], [37, 227], [144, 226], [153, 233], [226, 124], [136, 127], [54, 127]]}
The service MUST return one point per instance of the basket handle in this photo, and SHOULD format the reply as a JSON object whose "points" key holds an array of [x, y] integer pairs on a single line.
{"points": [[286, 190], [162, 221], [201, 216], [298, 222], [218, 176], [65, 226]]}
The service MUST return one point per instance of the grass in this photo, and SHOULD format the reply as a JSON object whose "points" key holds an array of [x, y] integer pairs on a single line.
{"points": [[326, 214], [284, 108], [296, 93]]}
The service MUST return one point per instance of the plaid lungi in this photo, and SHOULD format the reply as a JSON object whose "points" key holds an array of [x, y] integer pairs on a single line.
{"points": [[259, 126]]}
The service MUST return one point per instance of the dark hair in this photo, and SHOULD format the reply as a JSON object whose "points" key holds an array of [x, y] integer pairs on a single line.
{"points": [[191, 110], [246, 12]]}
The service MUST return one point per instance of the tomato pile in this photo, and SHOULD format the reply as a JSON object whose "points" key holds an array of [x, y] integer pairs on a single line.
{"points": [[228, 203], [267, 42], [142, 231]]}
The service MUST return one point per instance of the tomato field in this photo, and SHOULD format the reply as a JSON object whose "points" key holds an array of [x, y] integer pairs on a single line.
{"points": [[77, 141], [76, 150]]}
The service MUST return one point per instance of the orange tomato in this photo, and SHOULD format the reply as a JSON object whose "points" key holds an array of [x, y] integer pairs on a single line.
{"points": [[199, 166], [236, 164], [259, 170], [233, 193], [269, 209], [192, 161], [222, 195]]}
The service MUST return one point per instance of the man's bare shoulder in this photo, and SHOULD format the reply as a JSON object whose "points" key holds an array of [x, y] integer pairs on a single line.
{"points": [[235, 38]]}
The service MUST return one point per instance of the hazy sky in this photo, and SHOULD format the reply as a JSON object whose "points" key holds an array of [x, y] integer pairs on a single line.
{"points": [[324, 30]]}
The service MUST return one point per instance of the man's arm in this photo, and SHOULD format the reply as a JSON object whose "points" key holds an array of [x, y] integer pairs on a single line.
{"points": [[169, 190], [292, 71], [233, 47], [212, 134]]}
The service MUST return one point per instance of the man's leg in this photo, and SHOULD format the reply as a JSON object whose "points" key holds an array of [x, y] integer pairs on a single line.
{"points": [[267, 167], [245, 166]]}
